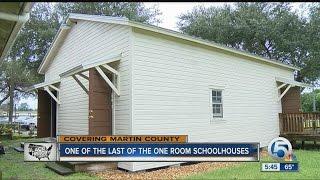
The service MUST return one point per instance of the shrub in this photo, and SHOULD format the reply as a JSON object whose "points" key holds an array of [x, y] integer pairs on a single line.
{"points": [[6, 129]]}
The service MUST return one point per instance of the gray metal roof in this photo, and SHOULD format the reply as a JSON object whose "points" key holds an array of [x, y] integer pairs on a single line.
{"points": [[13, 15], [73, 17]]}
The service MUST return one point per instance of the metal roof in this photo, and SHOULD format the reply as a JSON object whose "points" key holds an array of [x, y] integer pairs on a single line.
{"points": [[125, 21], [292, 82], [13, 15]]}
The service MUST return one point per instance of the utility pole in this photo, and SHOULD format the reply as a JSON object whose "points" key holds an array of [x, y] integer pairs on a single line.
{"points": [[15, 110], [11, 92], [314, 100]]}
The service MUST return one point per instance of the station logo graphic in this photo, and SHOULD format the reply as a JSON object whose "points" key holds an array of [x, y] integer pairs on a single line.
{"points": [[40, 152], [281, 149]]}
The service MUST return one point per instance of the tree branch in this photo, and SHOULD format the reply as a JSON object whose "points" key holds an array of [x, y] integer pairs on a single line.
{"points": [[5, 98], [20, 90], [267, 50]]}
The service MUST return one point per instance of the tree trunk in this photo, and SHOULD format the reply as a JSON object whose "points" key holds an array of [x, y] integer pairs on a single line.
{"points": [[11, 92], [298, 77]]}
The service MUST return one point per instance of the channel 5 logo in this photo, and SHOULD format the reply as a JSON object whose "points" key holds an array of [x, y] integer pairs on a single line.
{"points": [[280, 148]]}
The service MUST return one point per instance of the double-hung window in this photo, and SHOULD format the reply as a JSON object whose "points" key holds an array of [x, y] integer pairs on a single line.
{"points": [[217, 106]]}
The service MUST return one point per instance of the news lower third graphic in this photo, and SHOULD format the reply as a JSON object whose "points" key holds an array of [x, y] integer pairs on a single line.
{"points": [[139, 148], [40, 152], [280, 149], [124, 139], [159, 152]]}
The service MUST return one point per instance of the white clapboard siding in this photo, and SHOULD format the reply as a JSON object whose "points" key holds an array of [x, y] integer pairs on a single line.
{"points": [[165, 88], [90, 41], [171, 93], [73, 110]]}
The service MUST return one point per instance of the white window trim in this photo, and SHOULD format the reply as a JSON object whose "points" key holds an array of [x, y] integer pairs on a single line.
{"points": [[216, 119], [221, 103]]}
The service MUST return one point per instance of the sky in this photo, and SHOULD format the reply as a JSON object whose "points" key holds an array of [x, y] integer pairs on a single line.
{"points": [[171, 11], [169, 18]]}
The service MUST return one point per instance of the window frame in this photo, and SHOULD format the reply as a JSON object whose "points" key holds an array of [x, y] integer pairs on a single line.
{"points": [[213, 116]]}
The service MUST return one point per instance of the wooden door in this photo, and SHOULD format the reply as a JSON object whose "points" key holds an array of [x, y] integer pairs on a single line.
{"points": [[291, 101], [100, 105], [44, 114], [53, 115]]}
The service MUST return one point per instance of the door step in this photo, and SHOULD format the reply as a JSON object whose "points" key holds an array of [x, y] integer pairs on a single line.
{"points": [[65, 168], [90, 166], [49, 139], [19, 149], [58, 168]]}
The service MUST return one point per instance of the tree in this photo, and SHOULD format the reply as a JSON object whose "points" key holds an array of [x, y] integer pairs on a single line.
{"points": [[24, 107], [271, 30], [135, 11], [4, 107], [312, 64], [35, 38], [38, 33], [20, 69], [307, 101], [14, 77]]}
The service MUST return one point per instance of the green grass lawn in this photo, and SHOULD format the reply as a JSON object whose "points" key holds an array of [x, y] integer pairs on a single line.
{"points": [[309, 162], [13, 166]]}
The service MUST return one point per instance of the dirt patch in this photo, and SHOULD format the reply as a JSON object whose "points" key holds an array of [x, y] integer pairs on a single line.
{"points": [[166, 173], [173, 172]]}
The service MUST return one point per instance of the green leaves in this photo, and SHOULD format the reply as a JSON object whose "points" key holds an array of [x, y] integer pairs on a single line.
{"points": [[36, 37], [271, 30], [307, 101], [16, 76], [133, 11]]}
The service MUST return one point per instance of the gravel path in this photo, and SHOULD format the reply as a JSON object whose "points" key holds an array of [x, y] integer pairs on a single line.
{"points": [[173, 172], [166, 173]]}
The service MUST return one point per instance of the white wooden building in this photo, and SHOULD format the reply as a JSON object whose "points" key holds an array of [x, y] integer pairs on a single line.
{"points": [[158, 81]]}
